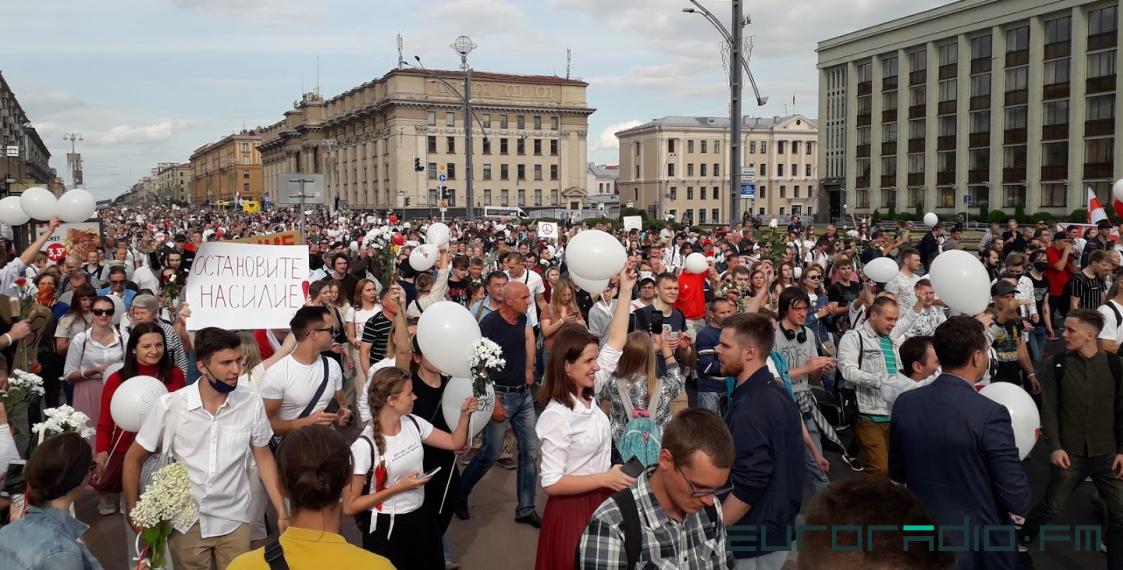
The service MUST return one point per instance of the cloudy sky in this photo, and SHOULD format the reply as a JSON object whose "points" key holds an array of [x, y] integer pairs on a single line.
{"points": [[148, 81]]}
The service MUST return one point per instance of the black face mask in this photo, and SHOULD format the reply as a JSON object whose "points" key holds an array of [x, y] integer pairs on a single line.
{"points": [[1041, 266], [220, 387]]}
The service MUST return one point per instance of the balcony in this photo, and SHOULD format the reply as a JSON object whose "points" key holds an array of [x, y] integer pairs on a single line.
{"points": [[945, 143], [948, 71], [1055, 91], [919, 77], [1014, 136], [945, 177], [1105, 84], [980, 102], [916, 145], [916, 179], [1054, 132], [1019, 97], [888, 180], [889, 115], [865, 88], [862, 151], [1014, 174], [1059, 49], [1054, 172], [1099, 127], [917, 112], [978, 176], [888, 83], [978, 140], [980, 65], [1097, 170], [888, 148], [946, 107], [863, 120], [1102, 41], [1016, 58]]}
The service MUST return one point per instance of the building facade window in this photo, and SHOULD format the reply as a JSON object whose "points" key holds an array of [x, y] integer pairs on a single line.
{"points": [[1055, 112], [1102, 21], [1101, 64], [1053, 195]]}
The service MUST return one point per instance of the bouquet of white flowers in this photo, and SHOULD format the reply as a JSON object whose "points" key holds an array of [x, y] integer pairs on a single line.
{"points": [[487, 360], [63, 419], [22, 389], [165, 504]]}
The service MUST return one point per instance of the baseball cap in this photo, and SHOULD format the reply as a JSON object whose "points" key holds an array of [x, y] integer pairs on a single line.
{"points": [[1003, 288]]}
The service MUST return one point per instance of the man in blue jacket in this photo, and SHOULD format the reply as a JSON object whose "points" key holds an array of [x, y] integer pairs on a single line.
{"points": [[711, 382], [954, 448], [767, 475]]}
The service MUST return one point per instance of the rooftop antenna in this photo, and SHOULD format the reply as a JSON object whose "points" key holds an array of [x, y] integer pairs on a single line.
{"points": [[568, 61], [317, 76], [401, 58]]}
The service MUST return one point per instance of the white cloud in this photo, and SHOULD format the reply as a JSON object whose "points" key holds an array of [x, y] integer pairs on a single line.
{"points": [[258, 12], [482, 16], [159, 131], [607, 139], [228, 84]]}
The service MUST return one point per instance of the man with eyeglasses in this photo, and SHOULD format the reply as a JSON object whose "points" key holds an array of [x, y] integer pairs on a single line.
{"points": [[116, 286], [670, 506], [298, 390]]}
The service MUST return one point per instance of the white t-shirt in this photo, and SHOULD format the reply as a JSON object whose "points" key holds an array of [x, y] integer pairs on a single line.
{"points": [[359, 317], [403, 456], [294, 384], [533, 282], [1113, 327]]}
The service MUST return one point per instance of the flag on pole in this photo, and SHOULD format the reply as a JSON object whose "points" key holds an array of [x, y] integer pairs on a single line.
{"points": [[238, 199], [1095, 209]]}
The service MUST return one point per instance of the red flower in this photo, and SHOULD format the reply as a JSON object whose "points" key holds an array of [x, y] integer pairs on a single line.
{"points": [[21, 282]]}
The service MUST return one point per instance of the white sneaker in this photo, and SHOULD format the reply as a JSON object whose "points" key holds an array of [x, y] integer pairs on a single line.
{"points": [[107, 505]]}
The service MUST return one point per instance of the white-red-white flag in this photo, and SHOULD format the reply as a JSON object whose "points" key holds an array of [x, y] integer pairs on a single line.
{"points": [[1095, 209]]}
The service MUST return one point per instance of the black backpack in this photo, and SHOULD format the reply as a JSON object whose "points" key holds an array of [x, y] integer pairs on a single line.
{"points": [[633, 537]]}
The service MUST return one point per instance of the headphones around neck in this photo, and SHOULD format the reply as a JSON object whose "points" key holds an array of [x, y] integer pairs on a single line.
{"points": [[800, 337]]}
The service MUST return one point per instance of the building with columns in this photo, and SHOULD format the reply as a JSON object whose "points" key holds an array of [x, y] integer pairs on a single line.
{"points": [[528, 136], [1004, 102], [679, 166], [224, 169]]}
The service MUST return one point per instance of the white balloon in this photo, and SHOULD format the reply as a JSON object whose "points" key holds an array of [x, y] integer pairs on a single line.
{"points": [[595, 255], [456, 391], [446, 332], [696, 263], [11, 212], [39, 203], [881, 269], [133, 399], [961, 281], [797, 272], [424, 257], [931, 219], [593, 287], [1117, 190], [437, 234], [1024, 417], [77, 205]]}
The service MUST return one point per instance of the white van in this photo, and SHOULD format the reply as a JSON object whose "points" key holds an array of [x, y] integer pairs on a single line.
{"points": [[504, 212]]}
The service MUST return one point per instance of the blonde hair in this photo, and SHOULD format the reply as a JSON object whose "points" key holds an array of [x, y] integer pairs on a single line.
{"points": [[555, 297], [638, 357], [251, 352], [383, 384]]}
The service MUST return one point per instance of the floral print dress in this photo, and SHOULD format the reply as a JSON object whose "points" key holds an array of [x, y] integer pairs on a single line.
{"points": [[671, 386]]}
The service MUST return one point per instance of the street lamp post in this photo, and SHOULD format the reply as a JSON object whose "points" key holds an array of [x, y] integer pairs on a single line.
{"points": [[737, 66]]}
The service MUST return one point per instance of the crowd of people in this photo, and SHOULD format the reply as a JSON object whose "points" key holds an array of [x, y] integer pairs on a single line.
{"points": [[676, 419]]}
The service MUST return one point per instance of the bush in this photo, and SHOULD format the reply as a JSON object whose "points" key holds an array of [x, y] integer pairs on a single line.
{"points": [[997, 217], [905, 217], [1078, 216], [1020, 213], [875, 218], [633, 212], [1041, 216]]}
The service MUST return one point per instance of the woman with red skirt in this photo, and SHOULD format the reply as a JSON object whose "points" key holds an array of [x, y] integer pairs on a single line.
{"points": [[575, 435]]}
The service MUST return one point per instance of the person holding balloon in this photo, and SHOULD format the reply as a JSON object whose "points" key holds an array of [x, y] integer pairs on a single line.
{"points": [[145, 356]]}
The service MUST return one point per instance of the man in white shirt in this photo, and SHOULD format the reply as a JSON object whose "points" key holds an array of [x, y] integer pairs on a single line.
{"points": [[903, 284], [919, 367], [212, 428], [517, 273], [298, 390], [1112, 334]]}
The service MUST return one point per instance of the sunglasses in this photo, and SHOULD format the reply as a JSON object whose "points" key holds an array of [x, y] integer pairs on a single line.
{"points": [[117, 281], [332, 330], [814, 277], [103, 312], [697, 493]]}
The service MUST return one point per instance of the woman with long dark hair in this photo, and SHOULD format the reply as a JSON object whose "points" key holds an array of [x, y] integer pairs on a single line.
{"points": [[146, 354], [575, 435], [314, 465]]}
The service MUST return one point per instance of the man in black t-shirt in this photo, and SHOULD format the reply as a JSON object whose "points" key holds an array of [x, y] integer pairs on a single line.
{"points": [[840, 295]]}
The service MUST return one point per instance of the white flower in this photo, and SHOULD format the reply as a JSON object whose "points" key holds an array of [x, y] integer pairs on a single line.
{"points": [[167, 498], [63, 419]]}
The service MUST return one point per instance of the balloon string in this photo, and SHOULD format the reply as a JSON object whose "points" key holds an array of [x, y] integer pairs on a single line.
{"points": [[117, 442], [453, 466]]}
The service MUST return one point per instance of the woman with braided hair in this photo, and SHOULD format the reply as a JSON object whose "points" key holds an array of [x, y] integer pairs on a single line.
{"points": [[387, 490]]}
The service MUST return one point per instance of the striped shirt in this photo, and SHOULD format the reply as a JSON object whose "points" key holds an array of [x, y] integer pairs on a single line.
{"points": [[1089, 291], [377, 333]]}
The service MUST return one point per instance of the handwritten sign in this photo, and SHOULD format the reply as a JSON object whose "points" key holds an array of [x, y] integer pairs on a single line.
{"points": [[548, 230], [633, 223], [78, 239], [291, 237], [246, 286]]}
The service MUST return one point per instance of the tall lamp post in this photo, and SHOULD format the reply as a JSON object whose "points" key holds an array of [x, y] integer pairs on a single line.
{"points": [[463, 46], [736, 63]]}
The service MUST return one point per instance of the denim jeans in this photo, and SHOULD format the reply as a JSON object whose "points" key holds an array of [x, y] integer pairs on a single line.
{"points": [[1061, 485], [710, 401], [1036, 342], [770, 561], [520, 412], [816, 478]]}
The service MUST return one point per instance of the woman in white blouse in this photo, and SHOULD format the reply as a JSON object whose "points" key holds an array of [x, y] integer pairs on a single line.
{"points": [[89, 354], [574, 433]]}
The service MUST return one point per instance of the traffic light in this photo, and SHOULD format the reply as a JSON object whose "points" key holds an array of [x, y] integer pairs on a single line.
{"points": [[407, 201], [444, 194], [417, 165]]}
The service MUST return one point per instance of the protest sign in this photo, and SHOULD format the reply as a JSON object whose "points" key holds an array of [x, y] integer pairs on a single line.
{"points": [[77, 239], [291, 237], [548, 230], [633, 223], [246, 286]]}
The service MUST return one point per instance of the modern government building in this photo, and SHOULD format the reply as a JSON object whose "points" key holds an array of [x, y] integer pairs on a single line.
{"points": [[1007, 102]]}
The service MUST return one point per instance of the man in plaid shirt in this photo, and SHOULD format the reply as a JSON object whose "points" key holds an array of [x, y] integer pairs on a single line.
{"points": [[669, 519]]}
